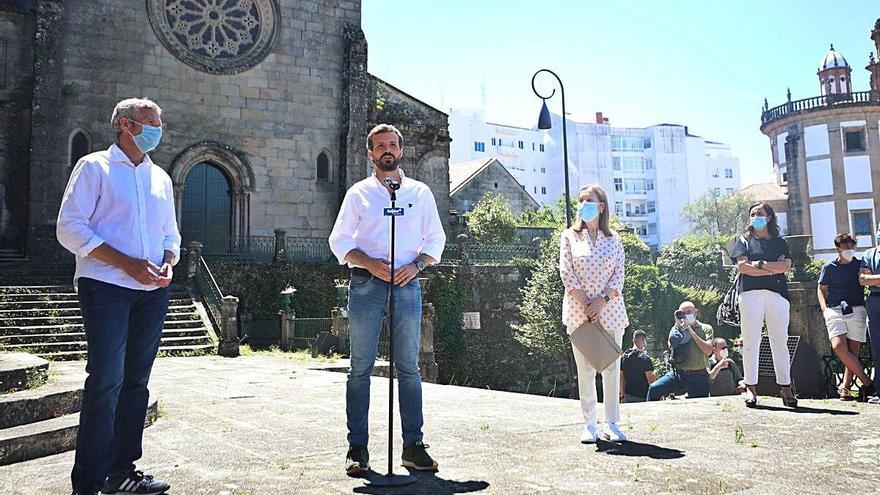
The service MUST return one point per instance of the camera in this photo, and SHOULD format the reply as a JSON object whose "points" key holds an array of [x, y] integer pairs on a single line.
{"points": [[679, 315], [845, 308]]}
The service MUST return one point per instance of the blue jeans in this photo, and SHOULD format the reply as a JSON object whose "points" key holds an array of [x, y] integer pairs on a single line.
{"points": [[123, 328], [367, 307], [677, 381]]}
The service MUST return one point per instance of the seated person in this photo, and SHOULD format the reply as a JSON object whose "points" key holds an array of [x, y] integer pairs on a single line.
{"points": [[636, 370], [724, 374]]}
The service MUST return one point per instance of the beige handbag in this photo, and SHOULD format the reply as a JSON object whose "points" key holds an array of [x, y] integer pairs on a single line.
{"points": [[594, 342]]}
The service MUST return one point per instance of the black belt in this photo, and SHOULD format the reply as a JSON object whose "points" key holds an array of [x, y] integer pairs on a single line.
{"points": [[695, 372], [362, 272]]}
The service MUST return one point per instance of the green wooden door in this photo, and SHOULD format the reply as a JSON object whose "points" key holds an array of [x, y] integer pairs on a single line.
{"points": [[206, 208]]}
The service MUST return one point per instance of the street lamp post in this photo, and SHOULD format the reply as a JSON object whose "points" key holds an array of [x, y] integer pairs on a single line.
{"points": [[545, 123]]}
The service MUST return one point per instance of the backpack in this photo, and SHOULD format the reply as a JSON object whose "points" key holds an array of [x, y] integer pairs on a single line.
{"points": [[728, 310], [679, 346]]}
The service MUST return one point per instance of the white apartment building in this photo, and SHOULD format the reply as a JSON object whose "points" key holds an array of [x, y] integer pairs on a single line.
{"points": [[650, 173]]}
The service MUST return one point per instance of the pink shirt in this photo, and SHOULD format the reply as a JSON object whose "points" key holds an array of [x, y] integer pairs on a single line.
{"points": [[592, 268]]}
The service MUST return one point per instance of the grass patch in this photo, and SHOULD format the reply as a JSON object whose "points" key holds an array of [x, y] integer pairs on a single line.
{"points": [[300, 357]]}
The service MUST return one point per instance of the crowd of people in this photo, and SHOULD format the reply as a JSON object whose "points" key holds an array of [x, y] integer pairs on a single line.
{"points": [[591, 267]]}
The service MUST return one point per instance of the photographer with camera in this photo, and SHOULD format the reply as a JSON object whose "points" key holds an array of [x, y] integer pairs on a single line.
{"points": [[725, 376], [690, 343], [842, 300]]}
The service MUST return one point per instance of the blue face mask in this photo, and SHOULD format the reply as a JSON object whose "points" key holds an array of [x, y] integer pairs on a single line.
{"points": [[759, 222], [588, 211], [149, 137]]}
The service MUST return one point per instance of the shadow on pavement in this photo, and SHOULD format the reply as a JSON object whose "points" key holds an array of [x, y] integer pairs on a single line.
{"points": [[636, 449], [428, 483], [807, 410]]}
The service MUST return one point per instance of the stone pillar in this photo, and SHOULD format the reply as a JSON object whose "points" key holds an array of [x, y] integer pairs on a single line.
{"points": [[339, 328], [280, 246], [229, 327], [288, 328], [808, 323], [427, 363], [356, 101], [797, 245], [193, 254], [48, 143], [463, 254]]}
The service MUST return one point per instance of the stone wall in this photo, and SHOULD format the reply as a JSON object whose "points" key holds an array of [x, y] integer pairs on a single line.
{"points": [[277, 115], [496, 179], [16, 71]]}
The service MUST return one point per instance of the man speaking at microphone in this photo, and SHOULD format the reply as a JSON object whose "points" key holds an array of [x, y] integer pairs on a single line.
{"points": [[361, 238]]}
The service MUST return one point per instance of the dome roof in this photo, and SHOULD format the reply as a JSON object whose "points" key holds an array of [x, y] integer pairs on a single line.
{"points": [[832, 59]]}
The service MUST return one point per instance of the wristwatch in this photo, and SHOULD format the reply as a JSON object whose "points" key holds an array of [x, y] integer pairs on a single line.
{"points": [[761, 264], [420, 265], [607, 298]]}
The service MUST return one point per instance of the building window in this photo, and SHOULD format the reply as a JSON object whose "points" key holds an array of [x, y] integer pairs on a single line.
{"points": [[861, 222], [493, 141], [520, 145], [633, 165], [541, 148], [652, 207], [728, 173], [650, 184], [478, 146], [543, 170], [647, 143], [618, 185], [79, 145], [496, 185], [533, 146], [535, 188], [651, 229], [618, 208], [715, 174], [543, 190], [784, 177], [729, 190], [854, 141], [625, 143], [322, 166], [615, 163], [649, 164]]}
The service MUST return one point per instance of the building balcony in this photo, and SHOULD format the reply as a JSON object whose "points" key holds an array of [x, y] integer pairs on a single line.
{"points": [[818, 103]]}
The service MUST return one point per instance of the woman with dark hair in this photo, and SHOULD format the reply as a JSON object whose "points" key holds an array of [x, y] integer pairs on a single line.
{"points": [[763, 258], [591, 266]]}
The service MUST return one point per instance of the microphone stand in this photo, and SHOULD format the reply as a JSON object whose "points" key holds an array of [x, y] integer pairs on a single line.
{"points": [[391, 479]]}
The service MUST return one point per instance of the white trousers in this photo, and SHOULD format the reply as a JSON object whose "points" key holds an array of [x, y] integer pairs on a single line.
{"points": [[756, 307], [610, 385]]}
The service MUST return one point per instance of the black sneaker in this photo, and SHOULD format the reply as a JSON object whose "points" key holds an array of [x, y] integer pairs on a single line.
{"points": [[415, 457], [135, 482], [357, 461]]}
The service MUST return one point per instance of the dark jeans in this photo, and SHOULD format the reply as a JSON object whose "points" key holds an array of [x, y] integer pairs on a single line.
{"points": [[872, 305], [123, 328], [676, 381]]}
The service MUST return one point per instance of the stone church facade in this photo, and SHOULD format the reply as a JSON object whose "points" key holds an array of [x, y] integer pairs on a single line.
{"points": [[266, 105]]}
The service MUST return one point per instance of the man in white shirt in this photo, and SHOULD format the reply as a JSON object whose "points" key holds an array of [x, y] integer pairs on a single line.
{"points": [[117, 216], [361, 238]]}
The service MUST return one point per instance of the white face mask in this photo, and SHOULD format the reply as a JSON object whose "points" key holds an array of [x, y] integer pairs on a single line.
{"points": [[724, 353], [848, 254], [690, 319]]}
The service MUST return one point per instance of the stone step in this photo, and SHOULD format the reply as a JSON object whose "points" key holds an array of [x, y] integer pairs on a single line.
{"points": [[60, 396], [77, 319], [56, 289], [52, 436], [68, 296], [42, 348], [7, 314], [182, 350], [36, 339], [194, 322], [21, 371], [64, 304]]}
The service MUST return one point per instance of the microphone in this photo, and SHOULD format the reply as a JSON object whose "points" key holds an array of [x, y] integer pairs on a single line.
{"points": [[393, 184]]}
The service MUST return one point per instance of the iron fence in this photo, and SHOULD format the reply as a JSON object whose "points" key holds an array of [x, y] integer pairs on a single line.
{"points": [[308, 250]]}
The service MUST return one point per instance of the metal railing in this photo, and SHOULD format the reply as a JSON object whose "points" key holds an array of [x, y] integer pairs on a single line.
{"points": [[306, 331], [308, 250], [211, 294], [267, 248], [817, 102]]}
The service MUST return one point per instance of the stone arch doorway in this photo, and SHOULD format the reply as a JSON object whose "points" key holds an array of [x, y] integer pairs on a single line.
{"points": [[207, 208], [212, 187]]}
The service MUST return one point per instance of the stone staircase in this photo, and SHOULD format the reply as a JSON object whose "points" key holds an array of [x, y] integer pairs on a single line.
{"points": [[40, 417], [45, 320]]}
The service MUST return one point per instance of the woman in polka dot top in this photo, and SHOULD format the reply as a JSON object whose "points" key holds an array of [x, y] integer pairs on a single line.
{"points": [[591, 262]]}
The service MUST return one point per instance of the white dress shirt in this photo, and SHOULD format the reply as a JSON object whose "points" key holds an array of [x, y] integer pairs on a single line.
{"points": [[362, 225], [130, 208]]}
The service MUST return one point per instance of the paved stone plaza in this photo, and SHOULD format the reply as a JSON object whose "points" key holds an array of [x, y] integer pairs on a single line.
{"points": [[268, 424]]}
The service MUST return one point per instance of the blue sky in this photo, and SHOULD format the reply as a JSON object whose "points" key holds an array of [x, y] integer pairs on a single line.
{"points": [[704, 64]]}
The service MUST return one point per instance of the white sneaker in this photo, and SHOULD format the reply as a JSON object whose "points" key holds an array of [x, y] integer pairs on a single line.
{"points": [[590, 434], [613, 433]]}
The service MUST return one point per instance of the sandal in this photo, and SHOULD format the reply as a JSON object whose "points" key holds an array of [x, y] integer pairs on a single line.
{"points": [[845, 395], [751, 398], [788, 400]]}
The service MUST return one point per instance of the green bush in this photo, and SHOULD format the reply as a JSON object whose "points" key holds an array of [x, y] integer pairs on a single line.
{"points": [[491, 220], [691, 256], [449, 342]]}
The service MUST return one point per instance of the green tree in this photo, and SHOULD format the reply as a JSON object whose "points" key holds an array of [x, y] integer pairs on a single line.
{"points": [[716, 215], [547, 215], [491, 220], [691, 256]]}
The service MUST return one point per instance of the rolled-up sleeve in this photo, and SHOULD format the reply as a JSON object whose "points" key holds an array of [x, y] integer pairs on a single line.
{"points": [[434, 240], [77, 206], [171, 239], [616, 280], [566, 263], [342, 236]]}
